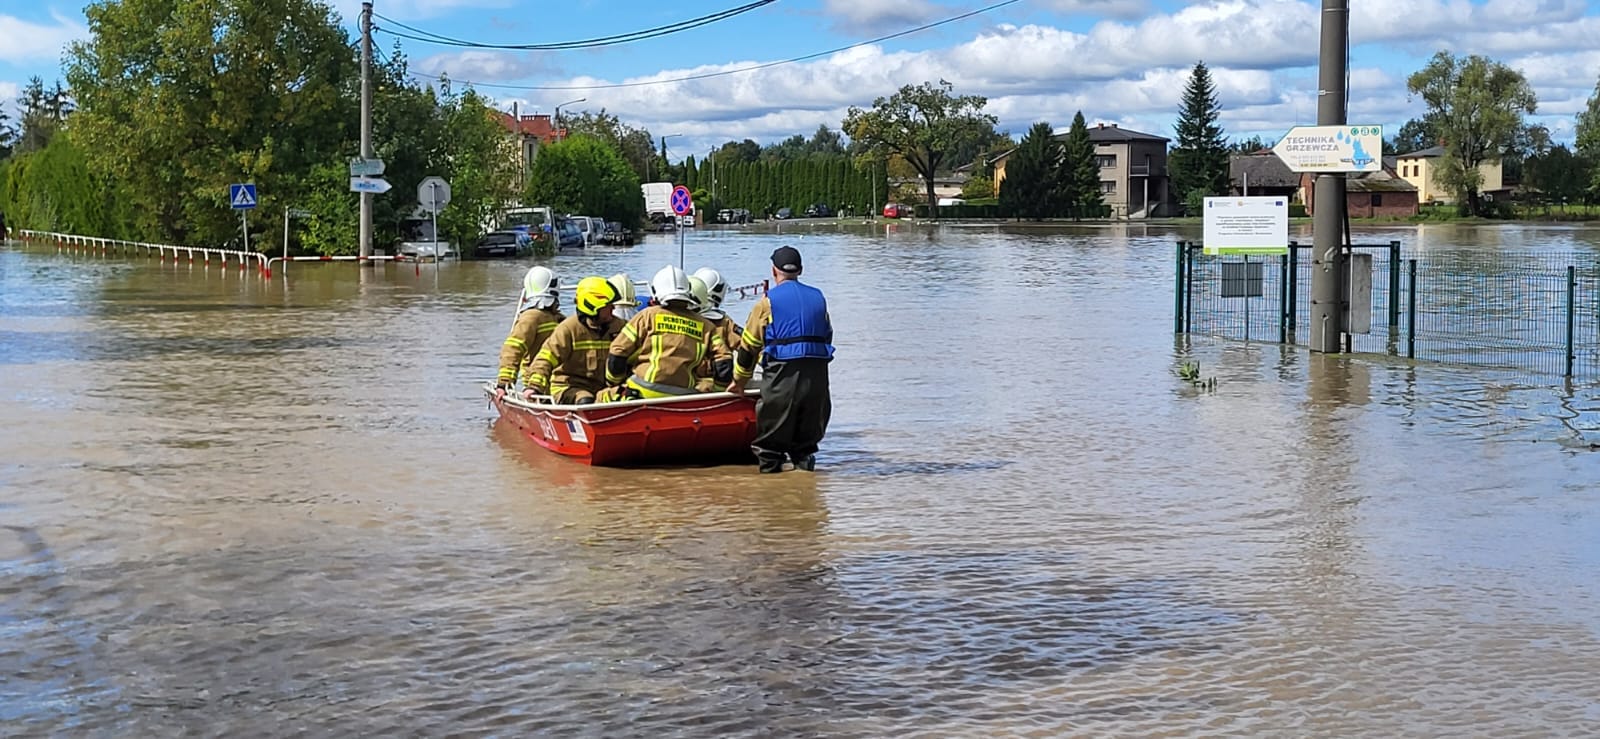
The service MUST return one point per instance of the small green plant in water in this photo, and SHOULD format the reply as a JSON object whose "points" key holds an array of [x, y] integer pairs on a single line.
{"points": [[1190, 372]]}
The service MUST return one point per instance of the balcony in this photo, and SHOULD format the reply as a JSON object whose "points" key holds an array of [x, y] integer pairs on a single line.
{"points": [[1139, 170]]}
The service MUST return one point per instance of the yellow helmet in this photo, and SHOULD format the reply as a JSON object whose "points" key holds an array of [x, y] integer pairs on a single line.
{"points": [[594, 294]]}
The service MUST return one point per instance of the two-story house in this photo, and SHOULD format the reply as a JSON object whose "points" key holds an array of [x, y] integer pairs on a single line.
{"points": [[1133, 170], [1418, 168]]}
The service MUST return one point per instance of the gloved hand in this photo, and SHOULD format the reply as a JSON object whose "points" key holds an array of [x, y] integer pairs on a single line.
{"points": [[500, 390]]}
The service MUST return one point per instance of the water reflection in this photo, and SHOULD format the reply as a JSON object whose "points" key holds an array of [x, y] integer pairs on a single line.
{"points": [[232, 503]]}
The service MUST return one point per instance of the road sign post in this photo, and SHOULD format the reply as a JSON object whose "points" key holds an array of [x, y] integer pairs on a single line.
{"points": [[682, 205], [433, 194], [242, 197], [371, 185]]}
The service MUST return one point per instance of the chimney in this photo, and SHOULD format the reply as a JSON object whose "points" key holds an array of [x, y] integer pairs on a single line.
{"points": [[1102, 125], [1113, 125]]}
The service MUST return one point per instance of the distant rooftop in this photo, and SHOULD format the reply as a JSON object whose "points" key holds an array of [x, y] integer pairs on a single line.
{"points": [[1428, 153]]}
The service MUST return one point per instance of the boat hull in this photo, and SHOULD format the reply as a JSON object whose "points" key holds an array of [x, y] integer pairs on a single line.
{"points": [[713, 427]]}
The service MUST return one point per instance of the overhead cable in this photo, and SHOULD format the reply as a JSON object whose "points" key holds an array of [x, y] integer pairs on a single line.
{"points": [[429, 37], [751, 68]]}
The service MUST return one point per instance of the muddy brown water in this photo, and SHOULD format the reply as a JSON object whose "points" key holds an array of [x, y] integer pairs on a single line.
{"points": [[234, 507]]}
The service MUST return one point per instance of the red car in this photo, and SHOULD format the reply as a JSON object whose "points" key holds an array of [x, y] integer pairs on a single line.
{"points": [[896, 210]]}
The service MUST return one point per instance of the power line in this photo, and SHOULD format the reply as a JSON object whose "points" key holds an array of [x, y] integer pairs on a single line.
{"points": [[429, 37], [751, 68]]}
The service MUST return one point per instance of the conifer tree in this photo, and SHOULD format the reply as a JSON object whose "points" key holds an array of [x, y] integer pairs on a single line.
{"points": [[1032, 175], [1199, 161], [1080, 174]]}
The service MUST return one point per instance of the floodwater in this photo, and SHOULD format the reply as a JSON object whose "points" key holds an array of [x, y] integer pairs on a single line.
{"points": [[237, 507]]}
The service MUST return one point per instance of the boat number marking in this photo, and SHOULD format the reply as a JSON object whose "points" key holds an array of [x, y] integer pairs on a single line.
{"points": [[575, 430]]}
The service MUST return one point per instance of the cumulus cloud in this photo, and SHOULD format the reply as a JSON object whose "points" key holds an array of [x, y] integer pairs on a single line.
{"points": [[22, 41], [1262, 53]]}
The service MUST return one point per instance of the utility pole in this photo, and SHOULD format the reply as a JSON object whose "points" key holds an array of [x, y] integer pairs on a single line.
{"points": [[1327, 223], [366, 126]]}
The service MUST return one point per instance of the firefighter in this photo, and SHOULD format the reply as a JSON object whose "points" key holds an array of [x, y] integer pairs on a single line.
{"points": [[539, 312], [660, 350], [571, 368], [790, 331], [709, 289]]}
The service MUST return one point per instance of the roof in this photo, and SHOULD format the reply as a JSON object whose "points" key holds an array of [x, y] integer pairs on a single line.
{"points": [[1428, 153], [1104, 134], [1262, 170], [537, 126], [1374, 184]]}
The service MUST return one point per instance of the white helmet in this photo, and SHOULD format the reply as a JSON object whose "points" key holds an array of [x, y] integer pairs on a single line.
{"points": [[702, 294], [671, 284], [539, 288], [715, 285], [627, 300]]}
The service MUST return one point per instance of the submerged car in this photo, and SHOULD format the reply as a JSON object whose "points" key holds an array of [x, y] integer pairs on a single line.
{"points": [[501, 244]]}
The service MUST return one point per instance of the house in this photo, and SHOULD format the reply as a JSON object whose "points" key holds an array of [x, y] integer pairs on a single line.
{"points": [[1418, 168], [1380, 194], [1133, 170], [533, 131], [1262, 173]]}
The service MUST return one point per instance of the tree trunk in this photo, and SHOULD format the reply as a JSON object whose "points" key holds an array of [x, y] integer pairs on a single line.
{"points": [[933, 202]]}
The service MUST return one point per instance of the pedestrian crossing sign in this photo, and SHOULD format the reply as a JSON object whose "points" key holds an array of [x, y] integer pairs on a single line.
{"points": [[242, 196]]}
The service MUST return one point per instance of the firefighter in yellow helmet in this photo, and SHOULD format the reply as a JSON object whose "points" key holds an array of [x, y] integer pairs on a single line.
{"points": [[710, 289], [660, 351], [571, 368], [538, 314]]}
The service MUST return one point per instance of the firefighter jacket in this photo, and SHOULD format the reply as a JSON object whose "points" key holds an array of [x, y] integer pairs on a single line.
{"points": [[729, 331], [790, 322], [528, 333], [573, 357], [665, 346]]}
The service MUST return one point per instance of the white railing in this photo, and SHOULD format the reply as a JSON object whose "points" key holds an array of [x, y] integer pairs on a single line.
{"points": [[263, 263]]}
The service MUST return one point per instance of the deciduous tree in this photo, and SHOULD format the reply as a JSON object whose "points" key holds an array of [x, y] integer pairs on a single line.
{"points": [[583, 174], [1588, 135], [925, 124], [1480, 106]]}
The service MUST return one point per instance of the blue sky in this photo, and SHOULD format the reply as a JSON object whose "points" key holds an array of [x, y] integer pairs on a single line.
{"points": [[1119, 61]]}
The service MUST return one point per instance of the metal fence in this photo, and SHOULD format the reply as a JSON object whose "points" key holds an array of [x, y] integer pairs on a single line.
{"points": [[1528, 310]]}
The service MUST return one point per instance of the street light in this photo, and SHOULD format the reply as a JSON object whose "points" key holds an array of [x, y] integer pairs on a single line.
{"points": [[558, 112]]}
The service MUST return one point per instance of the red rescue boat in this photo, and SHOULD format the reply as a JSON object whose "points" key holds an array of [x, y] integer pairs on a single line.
{"points": [[709, 427]]}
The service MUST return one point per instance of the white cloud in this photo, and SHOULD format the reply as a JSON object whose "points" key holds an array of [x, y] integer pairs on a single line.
{"points": [[21, 41], [1262, 54], [486, 66]]}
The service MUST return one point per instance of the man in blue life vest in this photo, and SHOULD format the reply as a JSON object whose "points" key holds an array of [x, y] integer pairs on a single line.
{"points": [[789, 330]]}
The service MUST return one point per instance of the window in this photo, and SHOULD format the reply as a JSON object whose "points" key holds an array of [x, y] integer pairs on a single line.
{"points": [[1105, 161], [1108, 186], [1377, 199]]}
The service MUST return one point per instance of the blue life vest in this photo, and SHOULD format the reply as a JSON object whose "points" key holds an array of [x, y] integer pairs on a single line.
{"points": [[800, 327]]}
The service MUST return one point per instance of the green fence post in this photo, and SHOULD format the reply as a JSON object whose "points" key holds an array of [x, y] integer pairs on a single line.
{"points": [[1177, 292], [1411, 311], [1188, 292], [1283, 299], [1572, 304], [1394, 284]]}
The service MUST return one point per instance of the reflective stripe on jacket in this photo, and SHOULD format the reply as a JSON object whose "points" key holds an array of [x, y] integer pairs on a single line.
{"points": [[665, 346], [573, 357], [528, 334]]}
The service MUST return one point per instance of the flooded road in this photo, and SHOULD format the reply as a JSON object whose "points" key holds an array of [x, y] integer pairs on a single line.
{"points": [[238, 507]]}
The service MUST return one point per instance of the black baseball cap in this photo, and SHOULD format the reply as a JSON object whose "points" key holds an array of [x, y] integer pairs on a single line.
{"points": [[787, 260]]}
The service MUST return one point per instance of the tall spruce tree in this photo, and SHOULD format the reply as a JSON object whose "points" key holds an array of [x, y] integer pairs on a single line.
{"points": [[1080, 175], [1032, 180], [1199, 161]]}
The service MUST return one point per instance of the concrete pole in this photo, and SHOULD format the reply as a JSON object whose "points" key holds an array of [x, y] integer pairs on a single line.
{"points": [[1327, 225], [366, 126]]}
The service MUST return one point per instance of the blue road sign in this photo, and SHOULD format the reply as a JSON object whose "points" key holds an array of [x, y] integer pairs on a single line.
{"points": [[681, 203], [242, 196]]}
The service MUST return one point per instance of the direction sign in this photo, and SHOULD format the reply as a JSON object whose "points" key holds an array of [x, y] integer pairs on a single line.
{"points": [[1332, 148], [366, 167], [242, 196], [682, 204], [374, 185], [299, 213], [433, 194]]}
